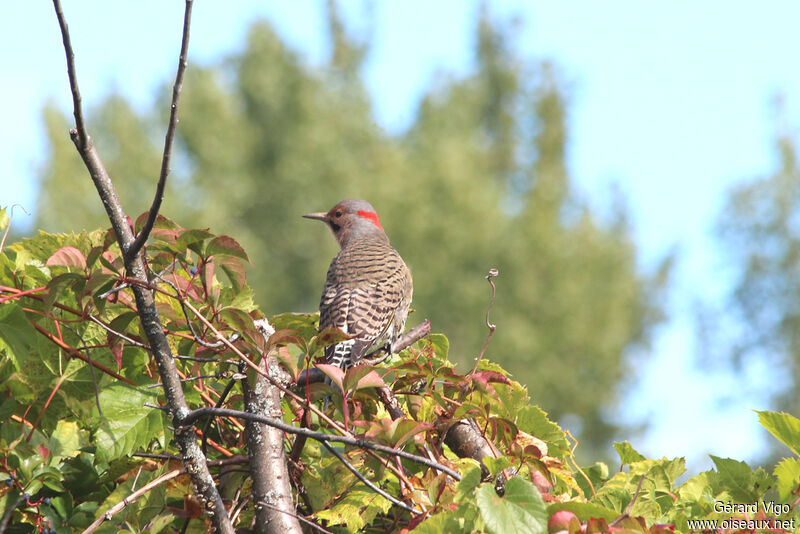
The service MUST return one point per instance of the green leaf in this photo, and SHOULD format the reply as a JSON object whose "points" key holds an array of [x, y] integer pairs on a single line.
{"points": [[783, 426], [495, 465], [305, 324], [191, 236], [396, 432], [3, 219], [15, 331], [440, 344], [534, 421], [57, 284], [7, 408], [470, 479], [233, 269], [736, 477], [356, 509], [519, 510], [65, 440], [462, 519], [224, 245], [127, 423], [97, 281], [584, 510], [160, 522], [788, 474], [627, 454], [697, 488]]}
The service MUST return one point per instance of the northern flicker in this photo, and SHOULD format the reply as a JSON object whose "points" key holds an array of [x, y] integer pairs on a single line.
{"points": [[368, 288]]}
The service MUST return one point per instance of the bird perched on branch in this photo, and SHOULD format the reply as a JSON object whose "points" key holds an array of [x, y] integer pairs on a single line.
{"points": [[368, 288]]}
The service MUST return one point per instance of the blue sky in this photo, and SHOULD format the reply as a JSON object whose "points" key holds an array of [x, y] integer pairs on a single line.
{"points": [[671, 100]]}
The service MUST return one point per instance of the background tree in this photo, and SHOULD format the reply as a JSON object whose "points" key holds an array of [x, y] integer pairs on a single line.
{"points": [[478, 180], [760, 236]]}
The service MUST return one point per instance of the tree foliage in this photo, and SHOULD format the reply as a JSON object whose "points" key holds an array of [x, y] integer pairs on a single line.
{"points": [[759, 231], [478, 180], [80, 427]]}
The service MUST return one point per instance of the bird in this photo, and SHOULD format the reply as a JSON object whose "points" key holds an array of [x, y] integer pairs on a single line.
{"points": [[368, 288]]}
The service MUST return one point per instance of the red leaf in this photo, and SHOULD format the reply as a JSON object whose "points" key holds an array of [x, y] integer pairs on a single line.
{"points": [[596, 524], [224, 245], [69, 256], [334, 372], [161, 222], [116, 345], [484, 377], [360, 377], [283, 336]]}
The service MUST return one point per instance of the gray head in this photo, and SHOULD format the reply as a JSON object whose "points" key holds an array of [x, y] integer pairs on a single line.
{"points": [[350, 219]]}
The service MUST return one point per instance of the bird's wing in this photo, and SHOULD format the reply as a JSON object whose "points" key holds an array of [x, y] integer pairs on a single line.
{"points": [[362, 303]]}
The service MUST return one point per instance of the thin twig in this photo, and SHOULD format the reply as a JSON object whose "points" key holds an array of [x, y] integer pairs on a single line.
{"points": [[182, 301], [571, 458], [629, 508], [221, 374], [194, 415], [10, 511], [133, 497], [371, 485], [492, 273], [78, 354], [170, 135], [8, 226], [199, 359], [126, 285], [120, 335], [73, 77], [298, 516], [220, 402]]}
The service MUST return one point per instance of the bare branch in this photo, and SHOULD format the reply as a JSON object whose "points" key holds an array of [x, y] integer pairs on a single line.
{"points": [[193, 458], [389, 401], [465, 439], [192, 416], [412, 336], [268, 466], [170, 135]]}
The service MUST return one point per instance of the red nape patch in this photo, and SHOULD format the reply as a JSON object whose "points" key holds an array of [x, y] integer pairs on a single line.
{"points": [[371, 216]]}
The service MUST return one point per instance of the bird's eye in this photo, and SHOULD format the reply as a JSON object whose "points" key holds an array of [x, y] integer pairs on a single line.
{"points": [[338, 214]]}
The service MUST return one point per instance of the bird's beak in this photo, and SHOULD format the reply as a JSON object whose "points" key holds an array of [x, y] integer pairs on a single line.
{"points": [[321, 216]]}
